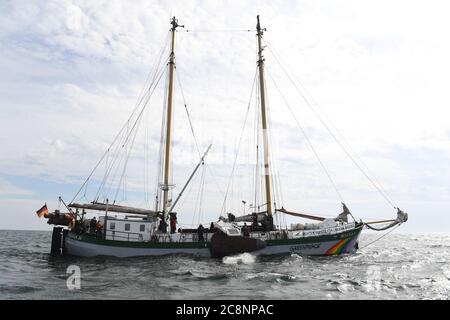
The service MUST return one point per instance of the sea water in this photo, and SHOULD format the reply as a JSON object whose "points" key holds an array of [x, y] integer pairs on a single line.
{"points": [[399, 266]]}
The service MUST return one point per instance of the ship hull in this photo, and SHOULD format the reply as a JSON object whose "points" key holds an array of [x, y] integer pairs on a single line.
{"points": [[87, 246], [346, 242]]}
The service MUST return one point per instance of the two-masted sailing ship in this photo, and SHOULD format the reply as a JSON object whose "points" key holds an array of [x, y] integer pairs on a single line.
{"points": [[125, 231]]}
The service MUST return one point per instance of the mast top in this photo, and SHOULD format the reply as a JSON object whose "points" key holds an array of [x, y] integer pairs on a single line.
{"points": [[258, 26], [175, 25]]}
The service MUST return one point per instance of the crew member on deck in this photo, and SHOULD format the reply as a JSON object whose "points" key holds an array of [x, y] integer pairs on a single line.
{"points": [[200, 230], [173, 222], [92, 225], [98, 230], [254, 221], [162, 226], [245, 231]]}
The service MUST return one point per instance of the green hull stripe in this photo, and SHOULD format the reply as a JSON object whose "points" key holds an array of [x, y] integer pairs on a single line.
{"points": [[196, 245]]}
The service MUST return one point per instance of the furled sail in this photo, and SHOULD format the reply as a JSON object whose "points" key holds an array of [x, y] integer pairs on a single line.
{"points": [[301, 215], [114, 208], [260, 216], [341, 217]]}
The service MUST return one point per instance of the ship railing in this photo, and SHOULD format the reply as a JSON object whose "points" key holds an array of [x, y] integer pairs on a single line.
{"points": [[289, 234], [187, 237], [123, 235], [270, 235]]}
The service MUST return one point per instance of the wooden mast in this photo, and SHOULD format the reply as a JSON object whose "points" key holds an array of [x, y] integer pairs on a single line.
{"points": [[264, 118], [165, 186]]}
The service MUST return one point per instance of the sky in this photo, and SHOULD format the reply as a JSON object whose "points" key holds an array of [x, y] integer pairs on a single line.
{"points": [[72, 71]]}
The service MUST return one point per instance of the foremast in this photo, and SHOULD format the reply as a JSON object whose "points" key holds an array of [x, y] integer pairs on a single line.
{"points": [[262, 92], [165, 185]]}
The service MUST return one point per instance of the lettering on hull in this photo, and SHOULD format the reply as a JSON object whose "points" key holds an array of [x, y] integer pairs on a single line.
{"points": [[304, 247]]}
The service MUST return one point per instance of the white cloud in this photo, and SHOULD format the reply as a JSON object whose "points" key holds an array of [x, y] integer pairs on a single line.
{"points": [[9, 189], [71, 71]]}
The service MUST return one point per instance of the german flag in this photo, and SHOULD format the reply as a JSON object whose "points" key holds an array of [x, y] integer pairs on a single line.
{"points": [[42, 211]]}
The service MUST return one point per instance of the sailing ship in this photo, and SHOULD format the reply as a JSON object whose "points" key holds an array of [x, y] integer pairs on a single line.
{"points": [[125, 231]]}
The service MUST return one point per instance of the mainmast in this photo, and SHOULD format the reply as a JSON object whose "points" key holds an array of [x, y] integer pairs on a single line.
{"points": [[264, 118], [165, 186]]}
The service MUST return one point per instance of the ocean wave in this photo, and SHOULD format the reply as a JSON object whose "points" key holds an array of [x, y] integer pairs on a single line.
{"points": [[396, 267]]}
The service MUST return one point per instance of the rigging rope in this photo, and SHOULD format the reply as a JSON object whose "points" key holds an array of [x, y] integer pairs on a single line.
{"points": [[257, 181], [381, 236], [218, 30], [307, 139], [126, 162], [192, 129], [195, 202], [379, 189], [136, 108], [383, 228], [122, 145], [187, 112], [239, 144], [202, 187], [339, 133], [158, 190], [119, 134]]}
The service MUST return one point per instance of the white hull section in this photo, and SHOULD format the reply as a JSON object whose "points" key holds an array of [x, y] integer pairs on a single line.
{"points": [[309, 249], [87, 249]]}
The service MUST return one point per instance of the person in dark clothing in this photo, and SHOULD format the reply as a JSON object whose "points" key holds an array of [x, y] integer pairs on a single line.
{"points": [[77, 227], [254, 221], [173, 222], [245, 230], [92, 225], [99, 230], [200, 231], [162, 226], [268, 223]]}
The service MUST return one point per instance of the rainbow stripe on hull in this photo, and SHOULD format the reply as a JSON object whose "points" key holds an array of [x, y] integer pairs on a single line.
{"points": [[340, 247]]}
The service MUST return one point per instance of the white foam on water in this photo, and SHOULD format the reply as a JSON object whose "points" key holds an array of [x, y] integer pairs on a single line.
{"points": [[243, 258], [296, 257], [343, 288]]}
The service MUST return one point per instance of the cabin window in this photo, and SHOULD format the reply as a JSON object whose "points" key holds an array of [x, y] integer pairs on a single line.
{"points": [[127, 227], [142, 228], [112, 225]]}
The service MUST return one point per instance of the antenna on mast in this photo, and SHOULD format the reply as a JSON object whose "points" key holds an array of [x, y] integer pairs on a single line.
{"points": [[175, 25]]}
